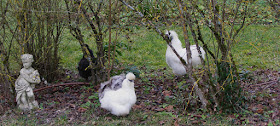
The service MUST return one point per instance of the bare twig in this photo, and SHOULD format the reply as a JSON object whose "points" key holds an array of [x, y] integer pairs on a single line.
{"points": [[65, 84], [264, 83], [242, 25], [140, 14], [189, 70]]}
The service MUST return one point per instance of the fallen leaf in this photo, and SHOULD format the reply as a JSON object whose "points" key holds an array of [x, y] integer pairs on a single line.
{"points": [[169, 108], [260, 108], [159, 109], [108, 118], [199, 116], [275, 114], [161, 122], [72, 105], [260, 111], [137, 106], [81, 110], [166, 93], [176, 123], [195, 122]]}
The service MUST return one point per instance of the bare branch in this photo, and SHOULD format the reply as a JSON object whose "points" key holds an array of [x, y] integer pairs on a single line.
{"points": [[130, 7], [65, 84], [242, 25], [189, 70], [159, 32], [99, 6]]}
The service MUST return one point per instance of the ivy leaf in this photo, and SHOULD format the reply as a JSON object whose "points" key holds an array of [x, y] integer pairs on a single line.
{"points": [[201, 7]]}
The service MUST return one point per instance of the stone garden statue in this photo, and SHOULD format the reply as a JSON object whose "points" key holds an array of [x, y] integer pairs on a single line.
{"points": [[25, 84]]}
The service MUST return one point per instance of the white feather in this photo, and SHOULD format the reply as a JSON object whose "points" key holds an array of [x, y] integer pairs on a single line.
{"points": [[120, 101], [173, 61]]}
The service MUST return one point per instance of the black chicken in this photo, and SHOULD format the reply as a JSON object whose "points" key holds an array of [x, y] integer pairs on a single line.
{"points": [[83, 67]]}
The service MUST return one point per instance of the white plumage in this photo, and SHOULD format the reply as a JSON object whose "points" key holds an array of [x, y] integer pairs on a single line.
{"points": [[119, 101], [114, 83], [173, 61]]}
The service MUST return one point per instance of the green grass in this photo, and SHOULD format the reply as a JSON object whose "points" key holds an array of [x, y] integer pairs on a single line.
{"points": [[138, 118], [70, 49], [257, 47], [147, 49]]}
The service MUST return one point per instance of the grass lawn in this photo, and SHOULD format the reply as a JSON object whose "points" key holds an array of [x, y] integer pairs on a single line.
{"points": [[256, 47]]}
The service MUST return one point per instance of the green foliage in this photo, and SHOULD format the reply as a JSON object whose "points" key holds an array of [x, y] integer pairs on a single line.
{"points": [[152, 8], [165, 114], [133, 69], [87, 104], [230, 96], [93, 102], [119, 46], [263, 12], [245, 75]]}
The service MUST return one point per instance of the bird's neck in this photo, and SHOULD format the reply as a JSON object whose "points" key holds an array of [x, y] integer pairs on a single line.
{"points": [[176, 43], [127, 85]]}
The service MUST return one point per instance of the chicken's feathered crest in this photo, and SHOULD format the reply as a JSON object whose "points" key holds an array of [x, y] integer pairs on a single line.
{"points": [[130, 76], [173, 36]]}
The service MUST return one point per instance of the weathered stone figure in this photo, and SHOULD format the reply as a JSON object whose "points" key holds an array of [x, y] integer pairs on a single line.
{"points": [[25, 84]]}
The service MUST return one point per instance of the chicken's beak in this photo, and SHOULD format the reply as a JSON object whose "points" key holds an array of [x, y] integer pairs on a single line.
{"points": [[168, 35], [169, 38]]}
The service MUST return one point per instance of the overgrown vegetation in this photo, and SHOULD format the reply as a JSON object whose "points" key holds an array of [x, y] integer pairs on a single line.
{"points": [[241, 38]]}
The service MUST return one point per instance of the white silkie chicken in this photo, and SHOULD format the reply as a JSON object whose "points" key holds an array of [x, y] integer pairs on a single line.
{"points": [[119, 101], [173, 61]]}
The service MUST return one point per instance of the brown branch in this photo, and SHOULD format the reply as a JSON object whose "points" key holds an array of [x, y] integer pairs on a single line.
{"points": [[65, 84], [189, 71], [87, 18], [78, 35], [234, 19], [242, 25], [216, 34], [205, 47], [187, 42], [202, 41], [264, 83], [140, 14], [95, 13], [190, 24], [218, 30]]}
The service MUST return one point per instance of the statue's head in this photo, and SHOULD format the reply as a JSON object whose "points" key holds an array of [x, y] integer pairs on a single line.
{"points": [[27, 58]]}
